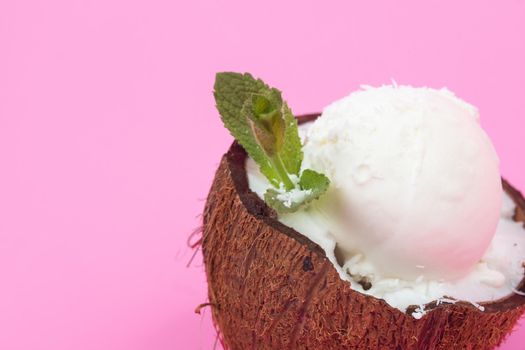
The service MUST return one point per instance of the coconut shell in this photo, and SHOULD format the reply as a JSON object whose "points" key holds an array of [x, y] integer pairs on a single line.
{"points": [[270, 287]]}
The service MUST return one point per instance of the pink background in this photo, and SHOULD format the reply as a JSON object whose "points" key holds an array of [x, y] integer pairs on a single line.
{"points": [[109, 138]]}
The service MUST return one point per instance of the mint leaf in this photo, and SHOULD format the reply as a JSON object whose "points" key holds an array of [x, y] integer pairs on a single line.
{"points": [[262, 123], [312, 180], [265, 122], [231, 91], [282, 202], [259, 119], [292, 154], [312, 185]]}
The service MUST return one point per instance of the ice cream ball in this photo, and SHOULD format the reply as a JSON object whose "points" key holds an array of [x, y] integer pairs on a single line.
{"points": [[416, 176]]}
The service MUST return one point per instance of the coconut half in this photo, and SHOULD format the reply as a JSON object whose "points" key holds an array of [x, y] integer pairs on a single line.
{"points": [[271, 287]]}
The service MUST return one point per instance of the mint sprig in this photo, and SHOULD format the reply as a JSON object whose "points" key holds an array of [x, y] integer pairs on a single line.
{"points": [[311, 186], [261, 121]]}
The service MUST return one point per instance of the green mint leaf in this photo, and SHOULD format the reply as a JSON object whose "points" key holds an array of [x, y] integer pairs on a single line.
{"points": [[259, 119], [279, 203], [262, 123], [312, 180], [312, 185], [292, 154], [231, 91], [265, 123]]}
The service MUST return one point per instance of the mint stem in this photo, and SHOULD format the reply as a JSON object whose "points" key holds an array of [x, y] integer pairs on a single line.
{"points": [[285, 179]]}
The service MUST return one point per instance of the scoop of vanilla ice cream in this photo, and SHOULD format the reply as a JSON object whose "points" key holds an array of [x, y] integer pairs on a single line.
{"points": [[416, 177]]}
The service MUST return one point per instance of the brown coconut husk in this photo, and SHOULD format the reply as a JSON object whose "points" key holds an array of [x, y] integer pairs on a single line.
{"points": [[270, 287]]}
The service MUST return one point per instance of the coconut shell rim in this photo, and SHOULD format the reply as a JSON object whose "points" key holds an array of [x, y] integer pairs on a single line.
{"points": [[236, 158]]}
